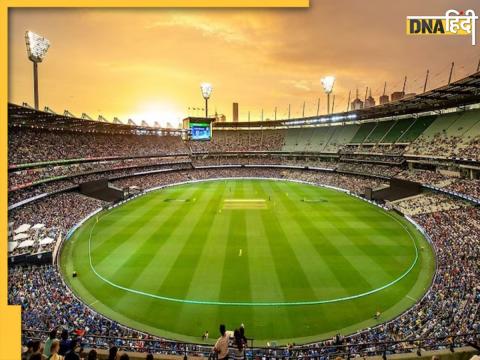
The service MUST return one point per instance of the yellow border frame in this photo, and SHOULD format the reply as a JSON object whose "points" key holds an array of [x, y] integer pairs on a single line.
{"points": [[10, 326], [158, 3]]}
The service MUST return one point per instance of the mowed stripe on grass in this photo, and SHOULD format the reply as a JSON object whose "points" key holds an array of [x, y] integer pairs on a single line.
{"points": [[291, 251], [342, 250]]}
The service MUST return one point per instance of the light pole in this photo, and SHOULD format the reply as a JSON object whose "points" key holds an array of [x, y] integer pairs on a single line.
{"points": [[206, 92], [37, 47], [327, 83]]}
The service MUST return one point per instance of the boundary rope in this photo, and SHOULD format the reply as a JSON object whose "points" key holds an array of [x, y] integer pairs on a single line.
{"points": [[243, 303]]}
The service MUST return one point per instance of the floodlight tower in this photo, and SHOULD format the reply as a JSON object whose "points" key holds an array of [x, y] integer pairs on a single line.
{"points": [[206, 92], [327, 83], [37, 47]]}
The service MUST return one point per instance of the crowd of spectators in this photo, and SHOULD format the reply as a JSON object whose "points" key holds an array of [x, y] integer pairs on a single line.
{"points": [[468, 187], [451, 307], [439, 145], [394, 150], [38, 145], [213, 160], [369, 169], [29, 145], [242, 141], [59, 213], [421, 176], [449, 142], [427, 203], [353, 183], [62, 184], [443, 145], [455, 296], [471, 150], [62, 310], [26, 177], [380, 159]]}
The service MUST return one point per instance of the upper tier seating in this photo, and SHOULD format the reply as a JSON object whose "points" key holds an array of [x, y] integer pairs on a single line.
{"points": [[397, 130], [414, 131], [244, 140], [450, 135], [324, 139], [380, 130], [362, 133], [35, 145]]}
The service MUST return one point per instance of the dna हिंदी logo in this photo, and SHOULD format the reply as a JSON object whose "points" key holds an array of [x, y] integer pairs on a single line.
{"points": [[453, 23]]}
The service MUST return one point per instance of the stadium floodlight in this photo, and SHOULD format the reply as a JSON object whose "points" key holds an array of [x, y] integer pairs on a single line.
{"points": [[327, 83], [37, 47], [206, 92]]}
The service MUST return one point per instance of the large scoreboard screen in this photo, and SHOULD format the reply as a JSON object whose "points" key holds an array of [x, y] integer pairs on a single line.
{"points": [[200, 130]]}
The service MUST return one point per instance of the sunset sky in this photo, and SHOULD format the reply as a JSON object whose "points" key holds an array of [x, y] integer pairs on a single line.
{"points": [[148, 63]]}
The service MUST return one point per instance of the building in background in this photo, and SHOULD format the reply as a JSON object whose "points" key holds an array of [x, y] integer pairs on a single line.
{"points": [[357, 104], [384, 99], [235, 112], [397, 95], [370, 101]]}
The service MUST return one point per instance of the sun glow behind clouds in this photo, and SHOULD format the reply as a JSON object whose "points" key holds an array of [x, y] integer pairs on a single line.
{"points": [[158, 57], [163, 113]]}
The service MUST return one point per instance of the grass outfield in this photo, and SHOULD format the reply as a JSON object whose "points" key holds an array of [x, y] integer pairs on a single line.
{"points": [[181, 260]]}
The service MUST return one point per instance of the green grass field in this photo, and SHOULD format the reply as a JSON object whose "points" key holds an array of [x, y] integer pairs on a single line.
{"points": [[283, 258]]}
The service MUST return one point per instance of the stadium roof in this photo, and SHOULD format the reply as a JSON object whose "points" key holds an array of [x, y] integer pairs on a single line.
{"points": [[457, 94], [25, 116]]}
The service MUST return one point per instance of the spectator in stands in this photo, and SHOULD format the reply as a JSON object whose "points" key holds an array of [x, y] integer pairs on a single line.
{"points": [[54, 349], [242, 334], [33, 145], [92, 355], [239, 345], [37, 348], [64, 343], [221, 346], [26, 354], [52, 336], [112, 353], [72, 352], [450, 307]]}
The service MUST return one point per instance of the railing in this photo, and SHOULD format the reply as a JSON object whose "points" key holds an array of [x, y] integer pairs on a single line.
{"points": [[325, 350]]}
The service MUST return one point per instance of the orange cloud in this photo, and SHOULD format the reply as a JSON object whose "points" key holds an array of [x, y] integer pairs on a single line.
{"points": [[143, 62]]}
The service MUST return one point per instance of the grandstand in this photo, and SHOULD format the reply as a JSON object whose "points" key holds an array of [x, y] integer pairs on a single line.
{"points": [[432, 139]]}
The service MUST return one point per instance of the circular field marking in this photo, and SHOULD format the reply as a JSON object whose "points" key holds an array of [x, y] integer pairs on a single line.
{"points": [[306, 272], [265, 303]]}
